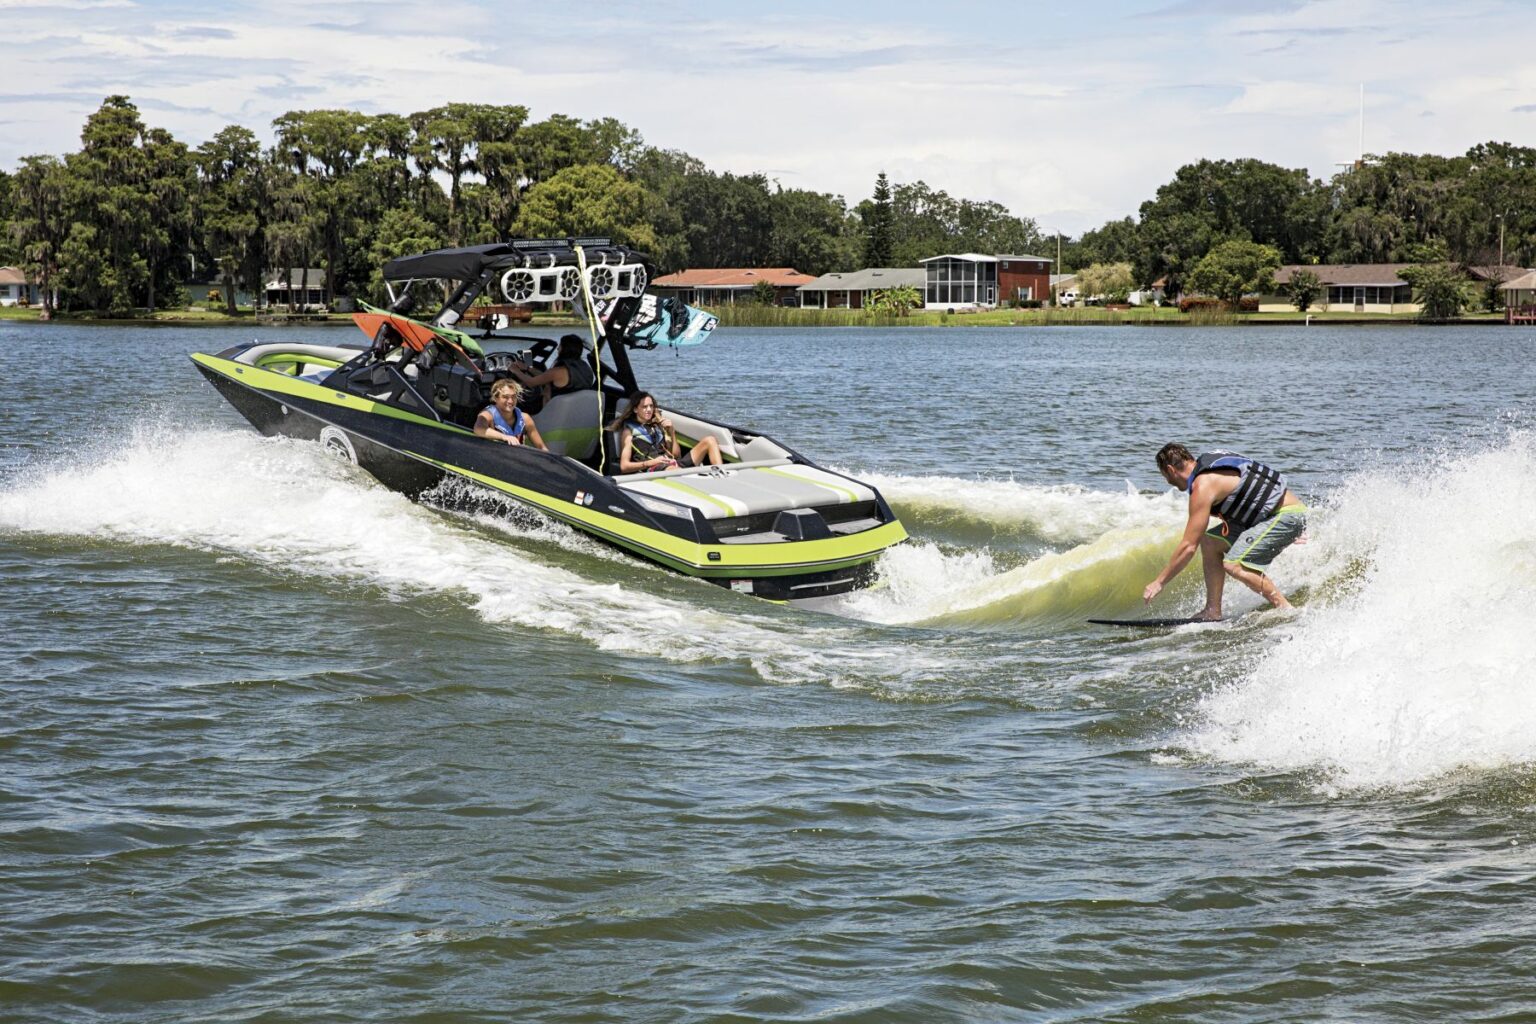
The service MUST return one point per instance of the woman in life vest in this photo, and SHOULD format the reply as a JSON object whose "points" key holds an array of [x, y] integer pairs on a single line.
{"points": [[503, 421], [647, 442]]}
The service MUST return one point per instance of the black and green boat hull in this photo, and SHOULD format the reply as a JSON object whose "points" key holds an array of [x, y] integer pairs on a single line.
{"points": [[413, 454]]}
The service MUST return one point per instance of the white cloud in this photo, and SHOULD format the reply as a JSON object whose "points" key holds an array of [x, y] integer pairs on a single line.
{"points": [[1289, 99], [64, 5], [1072, 122]]}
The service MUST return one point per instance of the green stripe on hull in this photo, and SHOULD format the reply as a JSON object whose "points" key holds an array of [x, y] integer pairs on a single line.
{"points": [[273, 383], [692, 558]]}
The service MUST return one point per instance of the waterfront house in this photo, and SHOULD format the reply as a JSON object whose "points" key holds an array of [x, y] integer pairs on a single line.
{"points": [[1497, 277], [1520, 292], [1347, 288], [1493, 272], [974, 280], [295, 286], [16, 289], [728, 286], [847, 291]]}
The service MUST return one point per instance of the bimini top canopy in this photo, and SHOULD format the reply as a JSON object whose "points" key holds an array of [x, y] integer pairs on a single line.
{"points": [[470, 263]]}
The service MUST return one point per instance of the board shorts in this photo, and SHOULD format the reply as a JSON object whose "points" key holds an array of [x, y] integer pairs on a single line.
{"points": [[1257, 546]]}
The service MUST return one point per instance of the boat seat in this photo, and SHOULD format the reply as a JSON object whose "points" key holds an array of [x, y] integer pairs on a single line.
{"points": [[570, 423], [613, 444], [697, 430], [612, 447]]}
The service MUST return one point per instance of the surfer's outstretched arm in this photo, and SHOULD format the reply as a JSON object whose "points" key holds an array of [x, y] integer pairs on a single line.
{"points": [[1194, 531]]}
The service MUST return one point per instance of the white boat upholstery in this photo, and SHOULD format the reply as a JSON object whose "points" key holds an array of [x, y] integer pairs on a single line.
{"points": [[749, 489], [690, 431], [337, 353], [687, 426]]}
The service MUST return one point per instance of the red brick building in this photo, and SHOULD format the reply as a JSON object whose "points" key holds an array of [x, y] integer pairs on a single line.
{"points": [[974, 279]]}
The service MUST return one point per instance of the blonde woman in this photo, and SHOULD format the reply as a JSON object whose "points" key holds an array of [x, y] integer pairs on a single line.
{"points": [[503, 421]]}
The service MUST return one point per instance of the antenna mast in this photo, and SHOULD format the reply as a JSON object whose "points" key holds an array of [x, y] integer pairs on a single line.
{"points": [[1361, 161]]}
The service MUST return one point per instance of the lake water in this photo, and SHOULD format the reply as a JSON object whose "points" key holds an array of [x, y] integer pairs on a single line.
{"points": [[282, 746]]}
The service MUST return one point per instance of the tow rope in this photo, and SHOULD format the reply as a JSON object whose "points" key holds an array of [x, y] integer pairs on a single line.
{"points": [[597, 358]]}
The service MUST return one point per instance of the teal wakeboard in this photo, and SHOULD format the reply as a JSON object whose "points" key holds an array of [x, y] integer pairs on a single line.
{"points": [[669, 322]]}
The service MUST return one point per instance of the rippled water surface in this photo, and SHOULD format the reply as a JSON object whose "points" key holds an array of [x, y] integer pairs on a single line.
{"points": [[281, 745]]}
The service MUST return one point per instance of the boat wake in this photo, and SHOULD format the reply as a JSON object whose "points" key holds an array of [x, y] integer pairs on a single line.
{"points": [[1416, 655], [1010, 514], [1412, 657], [293, 509], [1007, 555]]}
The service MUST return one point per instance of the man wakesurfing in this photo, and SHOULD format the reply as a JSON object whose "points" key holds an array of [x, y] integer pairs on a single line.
{"points": [[1260, 518]]}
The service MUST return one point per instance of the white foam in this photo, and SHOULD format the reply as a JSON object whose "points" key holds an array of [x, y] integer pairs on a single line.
{"points": [[916, 579], [1057, 514], [1418, 656], [290, 507]]}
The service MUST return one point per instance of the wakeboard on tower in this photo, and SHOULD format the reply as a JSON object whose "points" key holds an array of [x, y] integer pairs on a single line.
{"points": [[668, 322]]}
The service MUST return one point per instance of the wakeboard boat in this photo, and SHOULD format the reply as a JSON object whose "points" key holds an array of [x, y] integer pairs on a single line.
{"points": [[402, 403]]}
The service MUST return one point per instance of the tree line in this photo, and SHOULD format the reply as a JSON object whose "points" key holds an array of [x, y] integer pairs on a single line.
{"points": [[1478, 209], [133, 215]]}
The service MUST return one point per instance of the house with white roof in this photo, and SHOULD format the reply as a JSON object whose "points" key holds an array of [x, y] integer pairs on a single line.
{"points": [[295, 286], [971, 280], [1347, 287], [847, 290]]}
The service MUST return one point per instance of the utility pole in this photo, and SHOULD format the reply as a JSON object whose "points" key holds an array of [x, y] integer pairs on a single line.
{"points": [[1056, 277], [1361, 161]]}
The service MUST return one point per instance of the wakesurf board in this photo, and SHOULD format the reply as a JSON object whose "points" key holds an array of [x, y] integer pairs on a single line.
{"points": [[1151, 623]]}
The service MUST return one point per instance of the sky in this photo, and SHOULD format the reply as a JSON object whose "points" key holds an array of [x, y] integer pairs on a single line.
{"points": [[1071, 115]]}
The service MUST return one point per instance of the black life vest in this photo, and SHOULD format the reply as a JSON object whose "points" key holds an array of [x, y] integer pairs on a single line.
{"points": [[1256, 496], [648, 441], [578, 377]]}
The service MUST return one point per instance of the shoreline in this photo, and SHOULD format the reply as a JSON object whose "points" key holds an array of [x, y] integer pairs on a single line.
{"points": [[199, 319], [771, 317]]}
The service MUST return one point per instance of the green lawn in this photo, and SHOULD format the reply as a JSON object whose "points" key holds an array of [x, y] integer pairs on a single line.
{"points": [[772, 316]]}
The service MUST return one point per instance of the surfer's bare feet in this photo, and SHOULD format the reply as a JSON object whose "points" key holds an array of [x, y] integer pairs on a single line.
{"points": [[1209, 616]]}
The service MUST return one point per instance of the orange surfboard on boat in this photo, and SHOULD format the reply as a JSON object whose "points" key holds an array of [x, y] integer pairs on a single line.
{"points": [[417, 336]]}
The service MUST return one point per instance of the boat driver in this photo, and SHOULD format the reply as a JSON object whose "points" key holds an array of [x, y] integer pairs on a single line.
{"points": [[572, 371], [1259, 518], [503, 421]]}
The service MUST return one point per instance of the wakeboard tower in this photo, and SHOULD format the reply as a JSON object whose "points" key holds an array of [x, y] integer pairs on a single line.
{"points": [[770, 522]]}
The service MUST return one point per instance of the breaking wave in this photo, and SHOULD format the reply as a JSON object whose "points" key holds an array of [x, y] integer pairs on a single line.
{"points": [[1416, 654]]}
